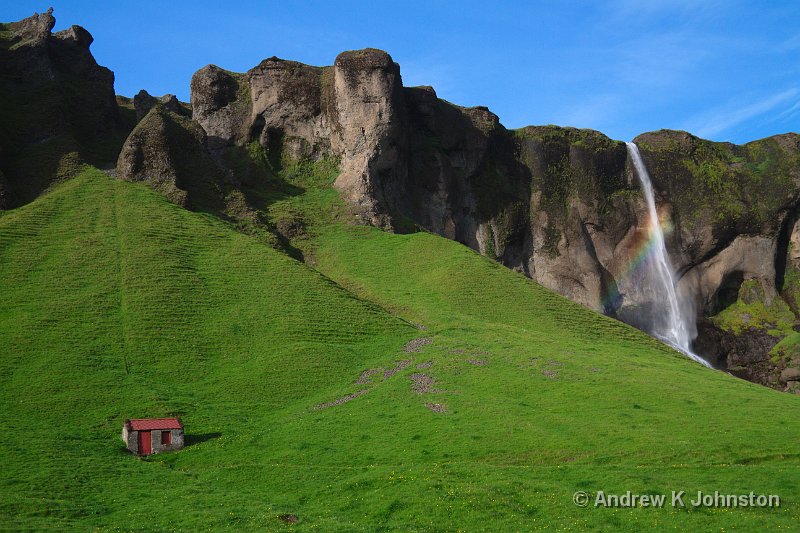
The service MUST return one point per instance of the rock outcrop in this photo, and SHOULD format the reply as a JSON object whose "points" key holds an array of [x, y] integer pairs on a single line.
{"points": [[353, 109], [57, 103], [167, 150], [143, 102]]}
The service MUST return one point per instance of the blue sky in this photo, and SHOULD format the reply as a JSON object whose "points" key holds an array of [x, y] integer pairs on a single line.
{"points": [[724, 70]]}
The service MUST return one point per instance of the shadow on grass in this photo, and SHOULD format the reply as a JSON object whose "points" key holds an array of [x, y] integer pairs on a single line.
{"points": [[191, 440]]}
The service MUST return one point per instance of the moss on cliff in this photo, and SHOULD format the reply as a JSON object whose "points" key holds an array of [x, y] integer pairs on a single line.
{"points": [[281, 199], [752, 310], [732, 188], [568, 164]]}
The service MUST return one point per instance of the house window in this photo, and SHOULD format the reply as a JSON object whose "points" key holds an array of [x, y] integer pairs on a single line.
{"points": [[166, 438]]}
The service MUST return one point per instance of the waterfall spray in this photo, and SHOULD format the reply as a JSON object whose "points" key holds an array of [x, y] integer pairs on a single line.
{"points": [[671, 322]]}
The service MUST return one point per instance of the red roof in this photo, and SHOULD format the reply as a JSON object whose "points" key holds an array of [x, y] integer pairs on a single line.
{"points": [[155, 423]]}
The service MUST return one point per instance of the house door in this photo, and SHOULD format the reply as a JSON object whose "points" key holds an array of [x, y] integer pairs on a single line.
{"points": [[144, 443]]}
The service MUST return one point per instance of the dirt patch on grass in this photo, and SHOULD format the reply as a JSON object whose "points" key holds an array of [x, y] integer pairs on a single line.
{"points": [[437, 407], [478, 362], [426, 364], [414, 345], [340, 401], [289, 518], [550, 373]]}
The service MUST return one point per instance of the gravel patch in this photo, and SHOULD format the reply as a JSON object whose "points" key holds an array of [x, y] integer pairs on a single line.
{"points": [[340, 401], [436, 407], [422, 383], [400, 365], [477, 362], [366, 375], [425, 365], [413, 346], [551, 374]]}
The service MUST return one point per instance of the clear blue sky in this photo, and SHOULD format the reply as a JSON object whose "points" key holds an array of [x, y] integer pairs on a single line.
{"points": [[724, 70]]}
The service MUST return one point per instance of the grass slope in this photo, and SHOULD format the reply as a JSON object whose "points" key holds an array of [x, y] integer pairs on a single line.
{"points": [[118, 304]]}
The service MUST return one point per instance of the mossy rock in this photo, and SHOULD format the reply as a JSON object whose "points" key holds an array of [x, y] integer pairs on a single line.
{"points": [[734, 189], [752, 311]]}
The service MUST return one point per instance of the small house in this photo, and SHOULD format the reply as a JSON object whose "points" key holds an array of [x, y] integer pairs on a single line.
{"points": [[145, 436]]}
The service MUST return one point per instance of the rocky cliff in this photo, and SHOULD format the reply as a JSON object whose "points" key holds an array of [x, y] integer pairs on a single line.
{"points": [[57, 107], [561, 205]]}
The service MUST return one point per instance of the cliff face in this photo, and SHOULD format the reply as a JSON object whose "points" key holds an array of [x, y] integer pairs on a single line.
{"points": [[735, 210], [57, 107], [561, 205]]}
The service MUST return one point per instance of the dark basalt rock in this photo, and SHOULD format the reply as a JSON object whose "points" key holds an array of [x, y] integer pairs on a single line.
{"points": [[58, 105]]}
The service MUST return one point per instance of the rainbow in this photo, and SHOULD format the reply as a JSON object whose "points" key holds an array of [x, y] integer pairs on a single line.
{"points": [[641, 254]]}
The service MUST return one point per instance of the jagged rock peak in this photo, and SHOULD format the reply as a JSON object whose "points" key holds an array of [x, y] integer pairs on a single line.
{"points": [[77, 35], [143, 102], [35, 28]]}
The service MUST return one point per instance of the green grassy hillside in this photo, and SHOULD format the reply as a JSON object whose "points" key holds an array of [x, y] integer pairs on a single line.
{"points": [[508, 399]]}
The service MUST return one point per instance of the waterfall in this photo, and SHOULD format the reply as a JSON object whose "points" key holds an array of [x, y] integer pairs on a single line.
{"points": [[672, 319]]}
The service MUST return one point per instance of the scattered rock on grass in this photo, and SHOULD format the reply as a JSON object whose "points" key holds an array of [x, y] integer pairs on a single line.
{"points": [[422, 383], [340, 401], [366, 375], [414, 345], [397, 368]]}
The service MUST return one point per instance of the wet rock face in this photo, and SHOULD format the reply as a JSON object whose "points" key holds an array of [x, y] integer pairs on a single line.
{"points": [[734, 210], [719, 191]]}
